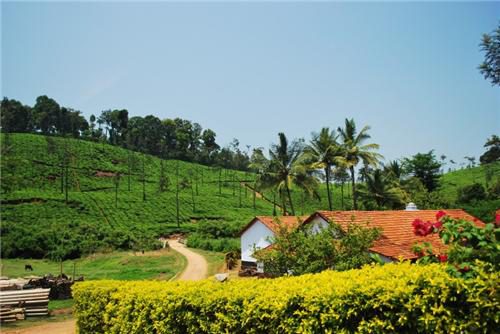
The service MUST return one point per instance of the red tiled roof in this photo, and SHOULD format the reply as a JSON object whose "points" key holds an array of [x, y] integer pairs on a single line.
{"points": [[274, 223], [397, 231]]}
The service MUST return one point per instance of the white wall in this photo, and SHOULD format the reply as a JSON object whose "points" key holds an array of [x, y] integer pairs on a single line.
{"points": [[317, 224], [256, 236]]}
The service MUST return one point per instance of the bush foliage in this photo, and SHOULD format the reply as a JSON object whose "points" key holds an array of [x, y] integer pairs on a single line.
{"points": [[376, 299], [302, 250]]}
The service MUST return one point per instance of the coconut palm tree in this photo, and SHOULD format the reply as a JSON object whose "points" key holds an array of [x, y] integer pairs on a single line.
{"points": [[394, 169], [324, 152], [383, 189], [287, 168], [355, 150]]}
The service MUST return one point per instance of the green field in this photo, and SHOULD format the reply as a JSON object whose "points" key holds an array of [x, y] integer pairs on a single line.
{"points": [[452, 181], [161, 265], [37, 221]]}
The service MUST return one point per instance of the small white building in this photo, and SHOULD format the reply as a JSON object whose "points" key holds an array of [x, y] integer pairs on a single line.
{"points": [[258, 233], [395, 243]]}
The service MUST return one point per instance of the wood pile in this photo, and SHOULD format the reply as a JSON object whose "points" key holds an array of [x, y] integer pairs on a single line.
{"points": [[17, 304], [60, 286]]}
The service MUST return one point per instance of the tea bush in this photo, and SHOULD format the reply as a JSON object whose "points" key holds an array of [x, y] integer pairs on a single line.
{"points": [[375, 299]]}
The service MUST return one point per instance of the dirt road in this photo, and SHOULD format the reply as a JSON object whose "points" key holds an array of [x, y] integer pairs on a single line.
{"points": [[62, 327], [196, 264]]}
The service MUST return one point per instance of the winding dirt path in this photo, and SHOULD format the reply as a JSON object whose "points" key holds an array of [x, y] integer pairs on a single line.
{"points": [[197, 266]]}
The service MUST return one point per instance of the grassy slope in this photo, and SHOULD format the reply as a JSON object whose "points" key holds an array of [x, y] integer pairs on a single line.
{"points": [[162, 264], [35, 212], [451, 182]]}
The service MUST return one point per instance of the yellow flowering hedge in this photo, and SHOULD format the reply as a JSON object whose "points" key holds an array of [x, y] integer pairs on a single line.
{"points": [[376, 299]]}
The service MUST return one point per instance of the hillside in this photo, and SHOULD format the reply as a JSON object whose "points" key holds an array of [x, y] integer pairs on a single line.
{"points": [[452, 181], [36, 220], [486, 175]]}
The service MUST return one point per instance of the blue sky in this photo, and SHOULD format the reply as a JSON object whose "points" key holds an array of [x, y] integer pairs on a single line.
{"points": [[409, 70]]}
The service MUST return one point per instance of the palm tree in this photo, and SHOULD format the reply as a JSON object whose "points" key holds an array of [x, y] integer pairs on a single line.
{"points": [[382, 189], [340, 175], [394, 169], [355, 150], [324, 152], [287, 168]]}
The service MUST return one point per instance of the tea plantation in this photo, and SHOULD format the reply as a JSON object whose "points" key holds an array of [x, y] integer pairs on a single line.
{"points": [[104, 210]]}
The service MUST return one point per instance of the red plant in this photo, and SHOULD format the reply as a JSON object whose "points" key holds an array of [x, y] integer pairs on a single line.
{"points": [[497, 219], [440, 214], [437, 225], [442, 257], [422, 228]]}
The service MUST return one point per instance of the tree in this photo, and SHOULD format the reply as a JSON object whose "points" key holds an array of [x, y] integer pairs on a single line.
{"points": [[163, 178], [287, 168], [394, 170], [490, 67], [443, 161], [355, 150], [425, 167], [116, 122], [46, 115], [472, 161], [492, 153], [324, 152], [341, 176], [301, 250], [382, 189], [15, 117], [472, 192], [209, 145], [116, 180]]}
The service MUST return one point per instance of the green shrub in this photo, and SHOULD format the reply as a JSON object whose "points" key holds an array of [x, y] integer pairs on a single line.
{"points": [[472, 192], [376, 299], [205, 242]]}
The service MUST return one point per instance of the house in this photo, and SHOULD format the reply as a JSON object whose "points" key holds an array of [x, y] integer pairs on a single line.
{"points": [[257, 234], [397, 237], [395, 243]]}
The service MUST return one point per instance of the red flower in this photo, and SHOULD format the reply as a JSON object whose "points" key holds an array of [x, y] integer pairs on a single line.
{"points": [[465, 269], [437, 225], [419, 253], [440, 214], [443, 257], [497, 219], [422, 229]]}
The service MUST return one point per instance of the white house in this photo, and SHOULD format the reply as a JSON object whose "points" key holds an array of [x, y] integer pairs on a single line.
{"points": [[257, 234], [395, 243]]}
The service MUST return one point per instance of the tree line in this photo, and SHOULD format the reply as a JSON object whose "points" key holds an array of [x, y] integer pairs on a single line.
{"points": [[346, 155], [168, 138]]}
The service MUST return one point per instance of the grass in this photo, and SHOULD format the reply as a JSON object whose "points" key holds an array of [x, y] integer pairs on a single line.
{"points": [[452, 181], [60, 304], [162, 264]]}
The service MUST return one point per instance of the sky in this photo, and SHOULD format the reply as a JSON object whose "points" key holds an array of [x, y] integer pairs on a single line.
{"points": [[251, 70]]}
